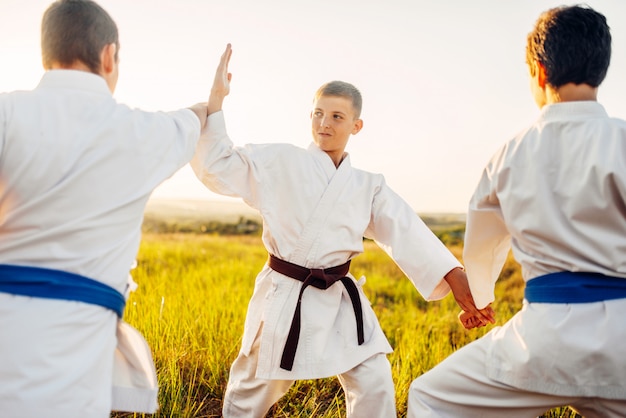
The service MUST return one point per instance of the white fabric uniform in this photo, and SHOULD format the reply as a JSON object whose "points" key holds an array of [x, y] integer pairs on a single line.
{"points": [[315, 215], [369, 388], [557, 193], [76, 169]]}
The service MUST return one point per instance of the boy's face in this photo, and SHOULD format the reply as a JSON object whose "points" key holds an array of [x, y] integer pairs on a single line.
{"points": [[332, 122]]}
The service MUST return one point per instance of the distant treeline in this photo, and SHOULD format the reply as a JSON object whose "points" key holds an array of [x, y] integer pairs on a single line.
{"points": [[450, 231], [244, 226]]}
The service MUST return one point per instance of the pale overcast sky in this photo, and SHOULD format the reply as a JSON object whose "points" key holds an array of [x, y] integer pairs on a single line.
{"points": [[444, 82]]}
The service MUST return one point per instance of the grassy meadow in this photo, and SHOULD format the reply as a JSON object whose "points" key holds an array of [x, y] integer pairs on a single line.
{"points": [[191, 304]]}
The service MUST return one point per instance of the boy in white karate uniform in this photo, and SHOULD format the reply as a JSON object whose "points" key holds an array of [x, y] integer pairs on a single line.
{"points": [[76, 171], [308, 318], [557, 193]]}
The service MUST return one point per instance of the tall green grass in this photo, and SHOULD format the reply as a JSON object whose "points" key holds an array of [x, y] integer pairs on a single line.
{"points": [[191, 305]]}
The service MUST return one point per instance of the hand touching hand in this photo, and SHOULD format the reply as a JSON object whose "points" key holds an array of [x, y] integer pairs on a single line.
{"points": [[470, 320], [457, 280], [221, 82]]}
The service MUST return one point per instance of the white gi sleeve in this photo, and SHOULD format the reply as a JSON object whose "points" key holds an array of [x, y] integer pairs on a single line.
{"points": [[402, 234], [487, 239], [224, 168]]}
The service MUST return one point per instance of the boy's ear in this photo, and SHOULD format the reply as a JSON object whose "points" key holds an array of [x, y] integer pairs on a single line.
{"points": [[542, 77], [107, 58], [358, 125]]}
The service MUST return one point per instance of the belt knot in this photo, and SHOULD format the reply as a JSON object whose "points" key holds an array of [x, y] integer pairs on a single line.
{"points": [[320, 279]]}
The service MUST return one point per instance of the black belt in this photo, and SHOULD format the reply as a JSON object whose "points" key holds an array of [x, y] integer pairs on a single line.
{"points": [[321, 279]]}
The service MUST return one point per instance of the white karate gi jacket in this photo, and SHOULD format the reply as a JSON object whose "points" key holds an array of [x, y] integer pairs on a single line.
{"points": [[556, 193], [316, 215], [76, 170]]}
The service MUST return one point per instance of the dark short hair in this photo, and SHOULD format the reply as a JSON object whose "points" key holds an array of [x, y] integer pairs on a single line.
{"points": [[573, 43], [342, 89], [76, 30]]}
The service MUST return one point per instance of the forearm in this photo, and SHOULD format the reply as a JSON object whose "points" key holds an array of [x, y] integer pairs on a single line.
{"points": [[423, 258], [201, 111], [216, 100]]}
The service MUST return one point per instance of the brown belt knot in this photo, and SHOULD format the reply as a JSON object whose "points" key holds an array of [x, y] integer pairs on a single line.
{"points": [[320, 279]]}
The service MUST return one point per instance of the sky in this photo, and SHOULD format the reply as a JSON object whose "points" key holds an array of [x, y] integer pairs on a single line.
{"points": [[444, 82]]}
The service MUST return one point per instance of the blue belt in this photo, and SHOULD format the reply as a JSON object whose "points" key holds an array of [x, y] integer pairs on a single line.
{"points": [[574, 287], [56, 284]]}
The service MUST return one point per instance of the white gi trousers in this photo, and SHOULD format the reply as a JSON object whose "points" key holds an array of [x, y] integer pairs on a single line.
{"points": [[42, 374], [368, 388], [460, 386]]}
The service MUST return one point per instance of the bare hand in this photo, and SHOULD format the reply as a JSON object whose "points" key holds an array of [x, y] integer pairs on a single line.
{"points": [[221, 82], [457, 280], [470, 321]]}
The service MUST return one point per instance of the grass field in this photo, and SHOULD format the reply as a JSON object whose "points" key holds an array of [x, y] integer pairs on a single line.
{"points": [[191, 306]]}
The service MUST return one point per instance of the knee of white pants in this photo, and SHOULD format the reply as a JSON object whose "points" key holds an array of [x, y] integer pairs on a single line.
{"points": [[378, 387], [416, 387], [371, 377], [372, 401], [417, 404], [369, 389]]}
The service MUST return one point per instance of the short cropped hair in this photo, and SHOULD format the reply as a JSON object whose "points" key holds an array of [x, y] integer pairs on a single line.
{"points": [[342, 89], [76, 31], [573, 43]]}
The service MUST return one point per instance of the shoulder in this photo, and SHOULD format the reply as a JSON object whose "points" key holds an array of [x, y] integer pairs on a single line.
{"points": [[368, 175], [4, 100], [17, 95], [23, 103], [366, 180], [621, 123], [512, 146]]}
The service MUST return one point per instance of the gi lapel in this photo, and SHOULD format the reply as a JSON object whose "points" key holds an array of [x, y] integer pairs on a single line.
{"points": [[307, 244], [305, 254]]}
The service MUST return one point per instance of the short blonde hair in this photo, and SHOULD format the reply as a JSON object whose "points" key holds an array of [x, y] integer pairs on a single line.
{"points": [[342, 89]]}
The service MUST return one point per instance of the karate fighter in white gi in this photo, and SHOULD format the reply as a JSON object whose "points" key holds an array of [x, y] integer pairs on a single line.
{"points": [[308, 317], [557, 193], [76, 170]]}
